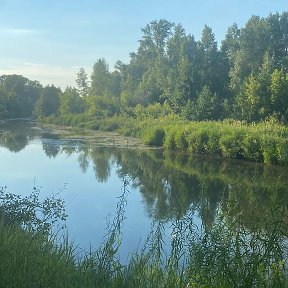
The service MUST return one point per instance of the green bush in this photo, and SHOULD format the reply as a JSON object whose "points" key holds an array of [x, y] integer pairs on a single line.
{"points": [[197, 140], [169, 140], [282, 151], [231, 143], [252, 147], [269, 151], [180, 139], [153, 136], [212, 146], [225, 255]]}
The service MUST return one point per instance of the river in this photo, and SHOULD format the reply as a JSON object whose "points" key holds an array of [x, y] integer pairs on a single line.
{"points": [[89, 170]]}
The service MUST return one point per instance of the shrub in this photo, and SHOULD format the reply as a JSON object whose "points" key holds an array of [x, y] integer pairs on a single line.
{"points": [[180, 138], [197, 140], [262, 142], [269, 151], [169, 140], [252, 147], [212, 146], [282, 151], [153, 136], [231, 143]]}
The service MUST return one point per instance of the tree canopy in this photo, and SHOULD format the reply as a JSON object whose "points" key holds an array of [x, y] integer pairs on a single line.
{"points": [[244, 77]]}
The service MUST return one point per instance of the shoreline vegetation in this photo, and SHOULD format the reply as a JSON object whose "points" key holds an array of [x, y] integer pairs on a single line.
{"points": [[265, 142], [228, 99], [225, 255]]}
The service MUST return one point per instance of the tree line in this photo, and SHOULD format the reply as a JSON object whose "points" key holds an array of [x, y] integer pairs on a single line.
{"points": [[244, 77]]}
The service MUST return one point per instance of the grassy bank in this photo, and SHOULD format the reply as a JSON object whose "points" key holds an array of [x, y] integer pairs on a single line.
{"points": [[265, 142], [227, 255]]}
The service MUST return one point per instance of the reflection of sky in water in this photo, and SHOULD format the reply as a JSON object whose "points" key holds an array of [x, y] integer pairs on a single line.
{"points": [[89, 203]]}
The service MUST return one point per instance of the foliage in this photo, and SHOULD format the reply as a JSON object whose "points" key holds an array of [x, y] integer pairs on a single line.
{"points": [[18, 96], [153, 136], [71, 102], [243, 78], [263, 142], [29, 212], [171, 83], [49, 102], [82, 82]]}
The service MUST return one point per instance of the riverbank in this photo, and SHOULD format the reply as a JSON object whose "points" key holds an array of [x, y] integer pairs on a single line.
{"points": [[265, 142]]}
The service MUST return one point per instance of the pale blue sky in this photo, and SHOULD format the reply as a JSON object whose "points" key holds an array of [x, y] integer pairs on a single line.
{"points": [[49, 40]]}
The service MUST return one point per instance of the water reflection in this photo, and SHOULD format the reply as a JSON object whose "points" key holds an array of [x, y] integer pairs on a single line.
{"points": [[101, 158], [15, 135], [171, 183]]}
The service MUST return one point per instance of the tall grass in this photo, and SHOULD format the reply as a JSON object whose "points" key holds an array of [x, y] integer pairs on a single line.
{"points": [[224, 255], [265, 142]]}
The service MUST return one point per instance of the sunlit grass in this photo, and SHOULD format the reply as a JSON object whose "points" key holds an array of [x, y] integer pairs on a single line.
{"points": [[265, 142]]}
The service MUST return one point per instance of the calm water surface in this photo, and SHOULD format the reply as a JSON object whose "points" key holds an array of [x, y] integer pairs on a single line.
{"points": [[162, 186]]}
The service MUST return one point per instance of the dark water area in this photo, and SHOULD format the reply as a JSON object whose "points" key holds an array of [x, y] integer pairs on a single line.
{"points": [[162, 186]]}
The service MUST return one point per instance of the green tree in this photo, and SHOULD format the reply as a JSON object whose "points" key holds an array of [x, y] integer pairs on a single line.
{"points": [[254, 43], [3, 103], [100, 78], [279, 94], [49, 102], [264, 78], [229, 48], [154, 39], [102, 106], [142, 77], [21, 93], [71, 102], [180, 83], [231, 44], [115, 83], [104, 98], [248, 100], [82, 82], [206, 106], [278, 25], [211, 64]]}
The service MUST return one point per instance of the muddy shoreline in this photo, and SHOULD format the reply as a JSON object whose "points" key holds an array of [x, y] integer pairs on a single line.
{"points": [[98, 138]]}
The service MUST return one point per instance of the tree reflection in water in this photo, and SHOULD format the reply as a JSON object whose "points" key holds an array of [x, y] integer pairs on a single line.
{"points": [[171, 183]]}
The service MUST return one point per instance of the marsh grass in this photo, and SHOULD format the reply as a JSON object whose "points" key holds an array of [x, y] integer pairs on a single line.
{"points": [[264, 142]]}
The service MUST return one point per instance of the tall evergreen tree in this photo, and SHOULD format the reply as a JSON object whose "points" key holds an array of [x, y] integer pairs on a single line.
{"points": [[82, 82]]}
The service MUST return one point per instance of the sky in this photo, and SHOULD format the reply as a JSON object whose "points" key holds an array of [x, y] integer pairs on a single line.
{"points": [[49, 41]]}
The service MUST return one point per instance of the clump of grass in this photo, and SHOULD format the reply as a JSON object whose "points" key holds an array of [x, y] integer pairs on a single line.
{"points": [[33, 260]]}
